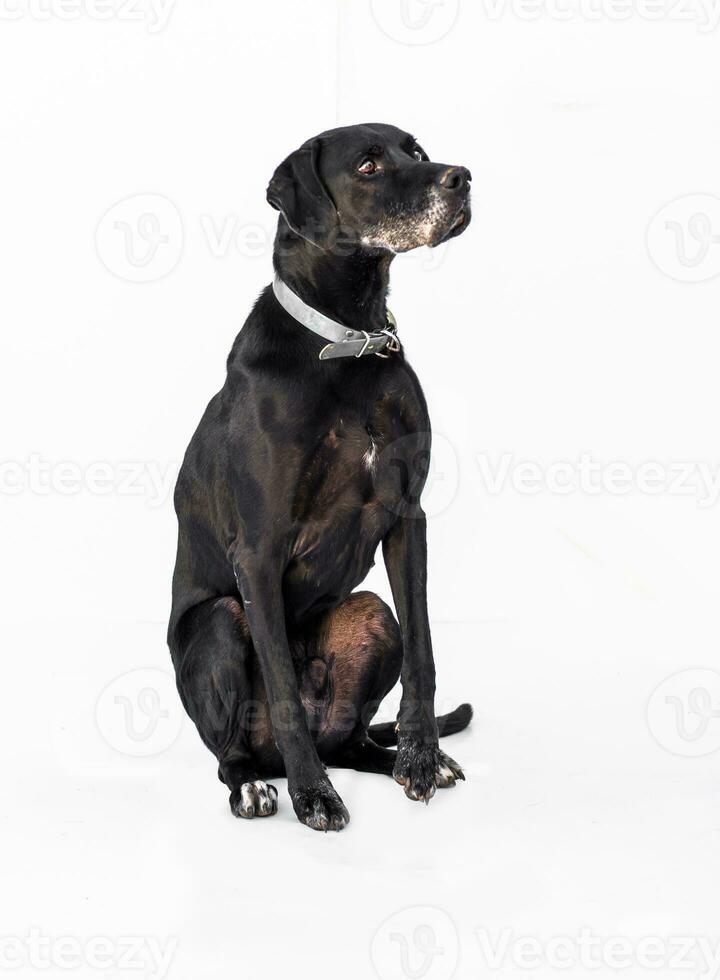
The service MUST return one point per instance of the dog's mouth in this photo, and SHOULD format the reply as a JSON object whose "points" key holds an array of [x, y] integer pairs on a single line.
{"points": [[433, 222], [456, 227]]}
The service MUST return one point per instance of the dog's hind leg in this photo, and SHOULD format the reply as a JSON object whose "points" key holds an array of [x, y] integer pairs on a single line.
{"points": [[351, 659], [213, 663]]}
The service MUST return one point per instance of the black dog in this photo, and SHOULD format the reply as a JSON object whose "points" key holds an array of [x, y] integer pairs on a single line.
{"points": [[311, 455]]}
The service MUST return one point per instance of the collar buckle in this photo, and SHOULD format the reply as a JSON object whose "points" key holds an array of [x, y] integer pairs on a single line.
{"points": [[393, 344]]}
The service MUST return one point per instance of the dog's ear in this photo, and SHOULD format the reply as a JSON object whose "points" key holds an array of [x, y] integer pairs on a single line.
{"points": [[298, 192]]}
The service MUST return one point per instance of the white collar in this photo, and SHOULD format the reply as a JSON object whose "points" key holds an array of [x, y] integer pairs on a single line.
{"points": [[344, 342]]}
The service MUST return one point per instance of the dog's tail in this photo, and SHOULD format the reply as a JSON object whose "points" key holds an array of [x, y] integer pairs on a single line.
{"points": [[458, 719]]}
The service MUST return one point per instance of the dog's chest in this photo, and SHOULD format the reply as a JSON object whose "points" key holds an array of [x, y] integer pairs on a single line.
{"points": [[349, 493], [346, 474]]}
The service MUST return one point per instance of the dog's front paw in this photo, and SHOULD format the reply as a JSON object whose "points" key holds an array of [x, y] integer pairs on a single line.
{"points": [[255, 799], [320, 807], [421, 767]]}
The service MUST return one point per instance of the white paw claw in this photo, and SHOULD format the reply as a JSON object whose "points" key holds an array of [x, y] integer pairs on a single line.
{"points": [[444, 777], [448, 772]]}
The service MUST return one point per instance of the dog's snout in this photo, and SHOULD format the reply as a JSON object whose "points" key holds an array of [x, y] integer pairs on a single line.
{"points": [[455, 178]]}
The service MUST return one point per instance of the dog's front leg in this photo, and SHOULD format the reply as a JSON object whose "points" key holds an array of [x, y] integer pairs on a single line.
{"points": [[420, 765], [313, 797]]}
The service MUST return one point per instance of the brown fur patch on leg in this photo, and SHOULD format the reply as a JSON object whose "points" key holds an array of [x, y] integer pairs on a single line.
{"points": [[363, 622], [360, 643]]}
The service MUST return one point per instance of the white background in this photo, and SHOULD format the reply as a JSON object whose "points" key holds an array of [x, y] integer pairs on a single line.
{"points": [[572, 324]]}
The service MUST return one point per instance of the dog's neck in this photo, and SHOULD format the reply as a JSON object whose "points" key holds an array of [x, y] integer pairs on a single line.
{"points": [[349, 284]]}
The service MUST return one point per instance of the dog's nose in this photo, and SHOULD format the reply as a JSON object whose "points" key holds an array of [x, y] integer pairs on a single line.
{"points": [[455, 178]]}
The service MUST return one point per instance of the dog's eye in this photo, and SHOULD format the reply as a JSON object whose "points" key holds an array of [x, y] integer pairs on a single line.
{"points": [[418, 153], [367, 167]]}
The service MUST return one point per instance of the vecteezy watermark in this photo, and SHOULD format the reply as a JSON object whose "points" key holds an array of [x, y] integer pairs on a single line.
{"points": [[418, 942], [140, 239], [590, 476], [147, 955], [153, 14], [683, 712], [415, 22], [409, 460], [705, 13], [588, 951], [683, 238], [407, 456], [228, 235], [423, 942], [420, 482], [223, 707], [146, 478], [139, 713]]}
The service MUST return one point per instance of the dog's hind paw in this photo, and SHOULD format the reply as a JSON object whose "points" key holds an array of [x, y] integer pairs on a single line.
{"points": [[320, 807], [421, 768], [256, 799]]}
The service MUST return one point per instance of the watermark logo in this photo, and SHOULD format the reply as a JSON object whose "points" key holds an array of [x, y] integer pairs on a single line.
{"points": [[443, 477], [153, 14], [148, 956], [419, 482], [146, 478], [140, 239], [587, 952], [683, 713], [683, 238], [415, 22], [415, 943], [229, 235], [585, 475], [704, 13], [423, 942], [139, 713]]}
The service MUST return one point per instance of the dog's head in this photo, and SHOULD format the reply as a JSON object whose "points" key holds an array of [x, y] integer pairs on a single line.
{"points": [[370, 185]]}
